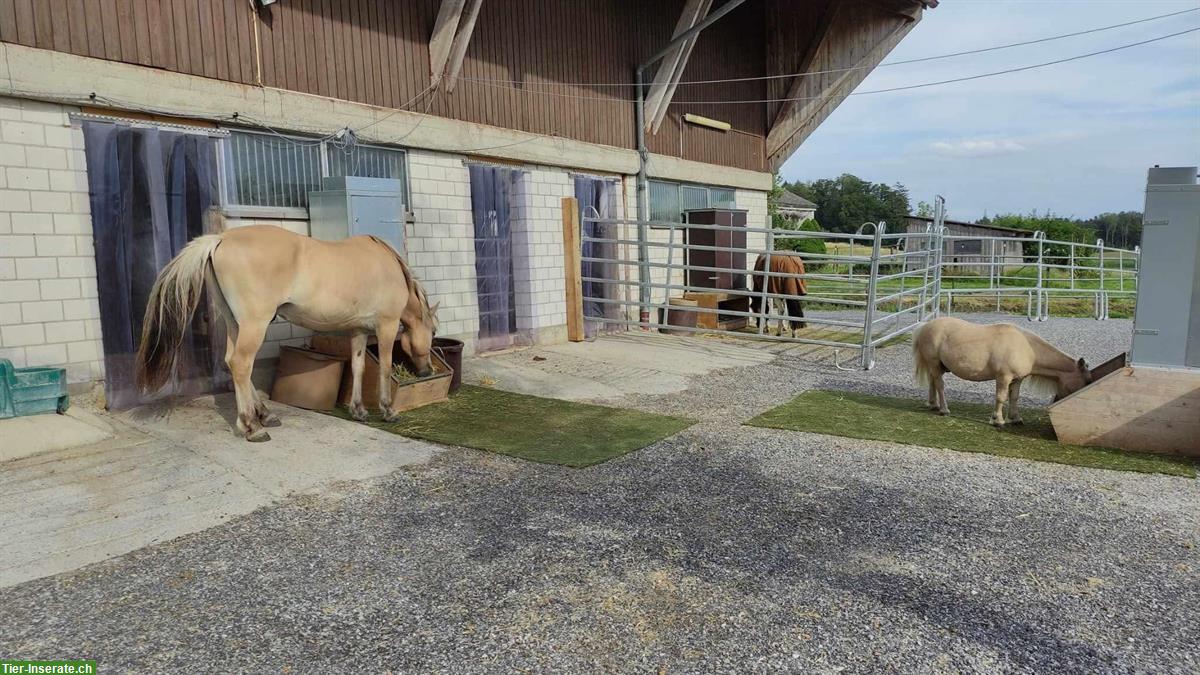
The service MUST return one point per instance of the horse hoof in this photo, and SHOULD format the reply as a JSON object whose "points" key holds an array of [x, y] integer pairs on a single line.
{"points": [[1017, 422], [391, 417], [258, 436], [359, 414], [271, 420], [943, 413]]}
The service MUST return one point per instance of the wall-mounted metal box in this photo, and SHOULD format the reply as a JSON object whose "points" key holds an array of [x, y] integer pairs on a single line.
{"points": [[1166, 327], [347, 206]]}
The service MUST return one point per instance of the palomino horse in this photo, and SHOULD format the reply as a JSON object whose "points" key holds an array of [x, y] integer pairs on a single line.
{"points": [[253, 273], [792, 286], [1000, 352]]}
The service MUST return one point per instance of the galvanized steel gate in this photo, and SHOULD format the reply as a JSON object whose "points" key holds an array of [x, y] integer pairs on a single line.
{"points": [[869, 287]]}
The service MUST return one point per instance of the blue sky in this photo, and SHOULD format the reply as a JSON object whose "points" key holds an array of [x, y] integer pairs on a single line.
{"points": [[1074, 138]]}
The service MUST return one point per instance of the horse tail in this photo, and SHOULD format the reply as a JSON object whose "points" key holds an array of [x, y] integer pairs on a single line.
{"points": [[920, 369], [173, 300]]}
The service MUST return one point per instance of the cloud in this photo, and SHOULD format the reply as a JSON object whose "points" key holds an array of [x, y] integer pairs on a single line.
{"points": [[1074, 138], [978, 148]]}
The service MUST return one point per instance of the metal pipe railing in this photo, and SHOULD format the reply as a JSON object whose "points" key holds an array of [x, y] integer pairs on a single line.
{"points": [[887, 304]]}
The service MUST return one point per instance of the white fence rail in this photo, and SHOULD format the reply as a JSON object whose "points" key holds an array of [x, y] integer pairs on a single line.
{"points": [[656, 275]]}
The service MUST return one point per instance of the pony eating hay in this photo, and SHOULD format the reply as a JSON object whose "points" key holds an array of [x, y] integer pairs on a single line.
{"points": [[253, 273], [1000, 352]]}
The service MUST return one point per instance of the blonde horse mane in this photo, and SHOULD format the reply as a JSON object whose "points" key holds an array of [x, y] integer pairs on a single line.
{"points": [[414, 286]]}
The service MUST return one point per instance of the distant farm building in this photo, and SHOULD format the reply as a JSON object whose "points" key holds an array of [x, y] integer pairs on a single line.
{"points": [[976, 255], [794, 207]]}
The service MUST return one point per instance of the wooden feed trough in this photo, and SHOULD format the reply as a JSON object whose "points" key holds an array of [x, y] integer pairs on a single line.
{"points": [[407, 393], [1151, 401], [1135, 408]]}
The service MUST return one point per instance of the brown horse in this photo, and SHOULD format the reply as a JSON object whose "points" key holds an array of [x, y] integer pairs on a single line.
{"points": [[1000, 352], [792, 286], [254, 273]]}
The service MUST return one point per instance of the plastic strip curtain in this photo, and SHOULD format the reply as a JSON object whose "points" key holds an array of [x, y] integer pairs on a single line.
{"points": [[491, 197], [150, 190]]}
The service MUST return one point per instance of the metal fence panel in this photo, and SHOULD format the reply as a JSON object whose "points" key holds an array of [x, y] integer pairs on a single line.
{"points": [[886, 284]]}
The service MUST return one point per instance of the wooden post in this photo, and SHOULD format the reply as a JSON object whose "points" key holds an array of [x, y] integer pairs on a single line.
{"points": [[572, 252]]}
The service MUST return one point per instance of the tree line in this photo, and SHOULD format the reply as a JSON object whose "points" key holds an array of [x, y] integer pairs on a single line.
{"points": [[846, 202]]}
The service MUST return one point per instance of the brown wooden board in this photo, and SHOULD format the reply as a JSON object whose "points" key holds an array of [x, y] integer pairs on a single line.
{"points": [[1134, 408], [572, 254]]}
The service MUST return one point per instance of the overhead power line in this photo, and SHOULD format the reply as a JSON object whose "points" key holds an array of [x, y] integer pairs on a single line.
{"points": [[922, 59], [605, 99]]}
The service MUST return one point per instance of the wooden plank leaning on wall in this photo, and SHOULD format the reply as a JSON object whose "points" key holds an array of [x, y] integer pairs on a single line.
{"points": [[572, 254]]}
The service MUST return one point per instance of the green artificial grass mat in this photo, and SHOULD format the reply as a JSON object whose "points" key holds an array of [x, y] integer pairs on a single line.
{"points": [[906, 420], [538, 429]]}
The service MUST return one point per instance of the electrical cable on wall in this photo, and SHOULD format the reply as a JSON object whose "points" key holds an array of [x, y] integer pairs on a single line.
{"points": [[602, 99]]}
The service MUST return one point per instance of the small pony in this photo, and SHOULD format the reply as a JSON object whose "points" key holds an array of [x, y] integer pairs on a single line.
{"points": [[1000, 352], [794, 286], [252, 273]]}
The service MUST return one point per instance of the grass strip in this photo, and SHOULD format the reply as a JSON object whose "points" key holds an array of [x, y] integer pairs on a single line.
{"points": [[966, 429], [533, 428]]}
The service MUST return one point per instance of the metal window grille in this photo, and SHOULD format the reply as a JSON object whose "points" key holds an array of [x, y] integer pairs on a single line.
{"points": [[669, 200], [721, 198], [277, 171], [369, 161]]}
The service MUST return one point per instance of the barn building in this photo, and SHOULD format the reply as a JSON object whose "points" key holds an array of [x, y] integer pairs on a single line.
{"points": [[794, 207], [123, 121], [974, 247]]}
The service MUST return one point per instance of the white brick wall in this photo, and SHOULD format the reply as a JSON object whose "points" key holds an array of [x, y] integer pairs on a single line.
{"points": [[538, 272], [441, 241], [49, 307], [49, 311], [755, 203]]}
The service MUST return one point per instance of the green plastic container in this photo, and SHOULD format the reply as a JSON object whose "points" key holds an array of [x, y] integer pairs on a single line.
{"points": [[31, 391]]}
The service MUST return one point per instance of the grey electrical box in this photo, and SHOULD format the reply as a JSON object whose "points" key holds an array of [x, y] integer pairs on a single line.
{"points": [[348, 206], [1166, 327]]}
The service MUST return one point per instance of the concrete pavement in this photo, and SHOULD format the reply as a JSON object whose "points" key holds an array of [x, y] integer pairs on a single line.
{"points": [[161, 473]]}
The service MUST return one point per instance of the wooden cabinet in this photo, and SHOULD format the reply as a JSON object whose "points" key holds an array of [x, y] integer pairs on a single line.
{"points": [[734, 260]]}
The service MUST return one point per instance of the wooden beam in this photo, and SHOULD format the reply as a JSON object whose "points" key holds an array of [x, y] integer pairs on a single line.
{"points": [[573, 264], [443, 35], [458, 51], [671, 68], [787, 134], [909, 9], [665, 103], [828, 16]]}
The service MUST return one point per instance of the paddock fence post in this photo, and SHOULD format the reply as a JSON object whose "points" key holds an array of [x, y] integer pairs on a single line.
{"points": [[868, 351], [764, 324], [573, 264]]}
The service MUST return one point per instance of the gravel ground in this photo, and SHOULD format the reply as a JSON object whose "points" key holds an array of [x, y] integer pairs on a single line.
{"points": [[724, 548]]}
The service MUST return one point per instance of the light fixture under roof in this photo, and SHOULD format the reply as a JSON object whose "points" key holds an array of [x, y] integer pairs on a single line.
{"points": [[700, 120]]}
